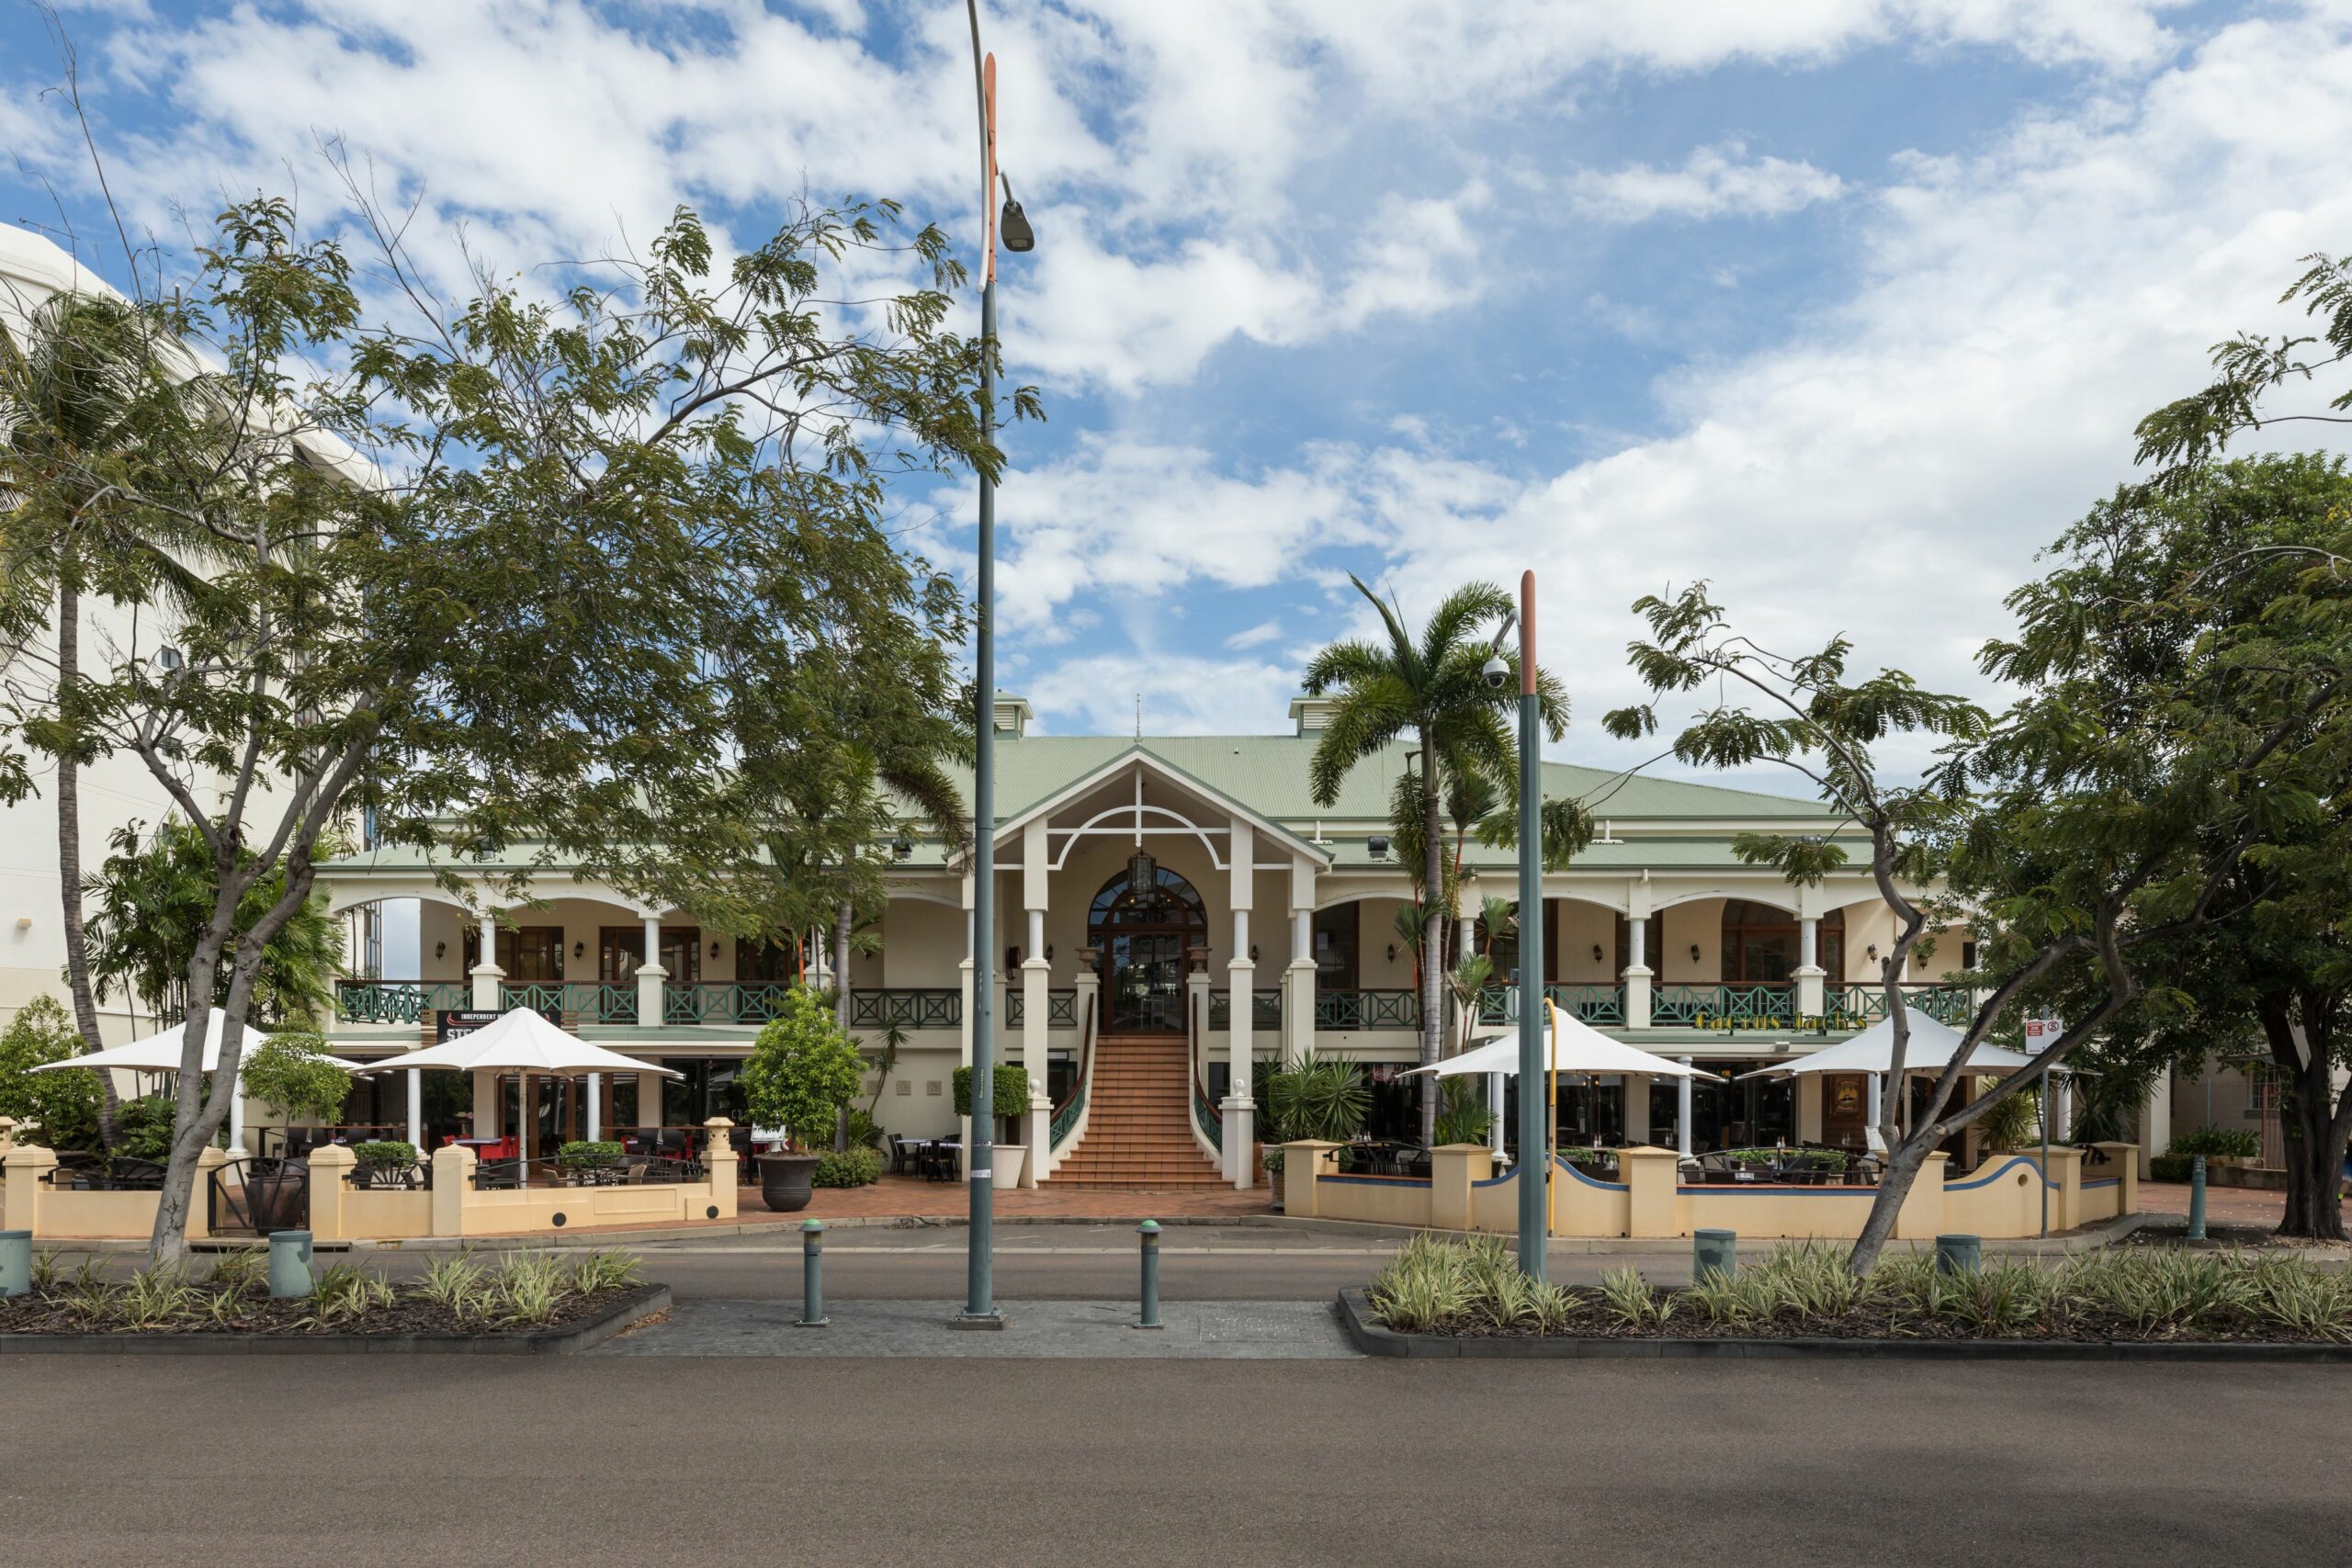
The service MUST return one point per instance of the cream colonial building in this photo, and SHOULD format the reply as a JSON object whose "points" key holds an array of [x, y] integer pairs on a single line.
{"points": [[1176, 907]]}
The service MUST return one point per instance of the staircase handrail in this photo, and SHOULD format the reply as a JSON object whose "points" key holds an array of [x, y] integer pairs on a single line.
{"points": [[1066, 1113]]}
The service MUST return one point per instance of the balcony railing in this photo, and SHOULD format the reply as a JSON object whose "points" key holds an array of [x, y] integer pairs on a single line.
{"points": [[906, 1007], [1592, 1004], [1859, 1006], [395, 1002], [1061, 1008], [1266, 1009], [1367, 1009]]}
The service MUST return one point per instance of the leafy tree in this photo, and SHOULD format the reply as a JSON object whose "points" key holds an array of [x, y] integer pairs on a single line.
{"points": [[2244, 550], [291, 1075], [802, 1068], [63, 1108], [2085, 828], [520, 569], [149, 901], [1431, 690]]}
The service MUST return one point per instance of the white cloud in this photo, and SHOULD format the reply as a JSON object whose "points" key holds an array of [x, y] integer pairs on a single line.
{"points": [[1183, 694], [1710, 183], [1254, 636]]}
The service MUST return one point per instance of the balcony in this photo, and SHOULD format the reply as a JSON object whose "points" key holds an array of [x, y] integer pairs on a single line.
{"points": [[1265, 1009]]}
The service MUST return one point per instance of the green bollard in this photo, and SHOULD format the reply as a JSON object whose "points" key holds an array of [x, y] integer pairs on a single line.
{"points": [[812, 1276], [2197, 1198], [1713, 1252], [15, 1263], [1150, 1231], [289, 1263], [1958, 1254]]}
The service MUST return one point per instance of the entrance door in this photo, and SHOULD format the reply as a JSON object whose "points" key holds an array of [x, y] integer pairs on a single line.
{"points": [[1145, 980]]}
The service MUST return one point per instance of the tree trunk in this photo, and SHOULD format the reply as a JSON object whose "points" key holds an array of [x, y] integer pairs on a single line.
{"points": [[69, 846], [1433, 937], [2313, 1125], [842, 919]]}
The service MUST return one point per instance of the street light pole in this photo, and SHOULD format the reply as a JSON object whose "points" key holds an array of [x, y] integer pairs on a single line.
{"points": [[979, 1176], [1534, 1140]]}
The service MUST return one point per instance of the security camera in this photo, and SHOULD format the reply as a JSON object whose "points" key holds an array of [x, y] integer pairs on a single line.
{"points": [[1497, 672]]}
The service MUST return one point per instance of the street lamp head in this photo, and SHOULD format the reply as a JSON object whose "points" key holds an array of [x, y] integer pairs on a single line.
{"points": [[169, 658], [1013, 225]]}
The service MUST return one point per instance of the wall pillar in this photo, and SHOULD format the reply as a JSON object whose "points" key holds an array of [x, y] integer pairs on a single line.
{"points": [[1650, 1179], [718, 1158], [1636, 976], [1637, 1107], [208, 1161], [25, 1169], [1809, 971], [453, 1177], [1455, 1170], [1921, 1217], [487, 974], [1304, 1163], [2156, 1120], [650, 976], [330, 1185]]}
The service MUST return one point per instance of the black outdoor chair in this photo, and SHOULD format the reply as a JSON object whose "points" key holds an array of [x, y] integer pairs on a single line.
{"points": [[498, 1175]]}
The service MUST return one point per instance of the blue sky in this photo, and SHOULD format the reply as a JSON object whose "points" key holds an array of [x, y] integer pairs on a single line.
{"points": [[1848, 305]]}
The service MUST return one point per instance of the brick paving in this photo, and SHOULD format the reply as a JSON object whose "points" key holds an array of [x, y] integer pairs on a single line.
{"points": [[2223, 1205], [911, 1197]]}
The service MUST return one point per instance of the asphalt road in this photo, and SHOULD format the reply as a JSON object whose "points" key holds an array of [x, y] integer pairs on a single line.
{"points": [[362, 1460]]}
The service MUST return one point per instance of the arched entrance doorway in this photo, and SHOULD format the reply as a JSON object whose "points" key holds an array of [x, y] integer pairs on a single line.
{"points": [[1142, 921]]}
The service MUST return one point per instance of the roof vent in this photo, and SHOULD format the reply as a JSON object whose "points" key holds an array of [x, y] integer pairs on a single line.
{"points": [[1311, 714], [1012, 716]]}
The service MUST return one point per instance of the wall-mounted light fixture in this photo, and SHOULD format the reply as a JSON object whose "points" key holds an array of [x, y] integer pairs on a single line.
{"points": [[1377, 846], [440, 950], [1011, 959], [1392, 953], [1873, 951], [1596, 953], [901, 847], [1050, 952], [579, 950], [713, 947], [1253, 952], [1694, 953]]}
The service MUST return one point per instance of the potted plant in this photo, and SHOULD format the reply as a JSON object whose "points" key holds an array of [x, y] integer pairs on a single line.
{"points": [[802, 1070], [387, 1162], [1316, 1097], [584, 1161], [1011, 1089]]}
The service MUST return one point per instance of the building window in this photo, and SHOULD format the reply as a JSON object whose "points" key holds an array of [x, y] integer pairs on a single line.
{"points": [[1762, 945], [1336, 930]]}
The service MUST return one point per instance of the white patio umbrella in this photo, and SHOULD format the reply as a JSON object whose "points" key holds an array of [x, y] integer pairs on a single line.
{"points": [[1577, 1047], [1931, 1049], [520, 1041], [161, 1053]]}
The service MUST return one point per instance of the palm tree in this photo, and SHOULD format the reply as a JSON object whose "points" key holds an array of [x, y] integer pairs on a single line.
{"points": [[1431, 690]]}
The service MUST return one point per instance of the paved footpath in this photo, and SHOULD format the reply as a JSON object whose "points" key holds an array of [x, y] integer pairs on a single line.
{"points": [[1227, 1331]]}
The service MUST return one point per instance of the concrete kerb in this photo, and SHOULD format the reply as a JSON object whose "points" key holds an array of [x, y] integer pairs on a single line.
{"points": [[2087, 1239], [646, 1301], [1374, 1339]]}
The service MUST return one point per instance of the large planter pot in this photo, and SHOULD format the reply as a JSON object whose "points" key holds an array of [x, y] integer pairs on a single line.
{"points": [[784, 1182], [1009, 1161]]}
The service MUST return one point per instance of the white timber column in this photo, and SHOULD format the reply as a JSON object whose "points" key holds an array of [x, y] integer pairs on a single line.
{"points": [[596, 1107], [1636, 975], [650, 975], [1873, 1111], [487, 974], [648, 1100], [487, 1107], [1036, 975], [415, 1109], [1809, 1094], [1298, 1001], [1242, 979], [237, 1117], [1809, 970], [2061, 1105], [1681, 1108]]}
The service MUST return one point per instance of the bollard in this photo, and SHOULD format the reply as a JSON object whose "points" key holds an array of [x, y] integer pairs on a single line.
{"points": [[812, 1276], [15, 1263], [2197, 1198], [1713, 1252], [1150, 1231], [1958, 1254], [289, 1263]]}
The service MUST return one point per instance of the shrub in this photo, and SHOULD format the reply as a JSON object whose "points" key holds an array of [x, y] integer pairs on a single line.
{"points": [[291, 1075], [64, 1106], [2242, 1142], [390, 1152], [2170, 1168], [802, 1069], [1011, 1096], [864, 1130], [582, 1155], [2015, 1123], [1461, 1114], [144, 1126], [1319, 1097], [853, 1166]]}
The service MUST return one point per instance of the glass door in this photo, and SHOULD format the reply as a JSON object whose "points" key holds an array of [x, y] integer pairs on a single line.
{"points": [[1145, 980]]}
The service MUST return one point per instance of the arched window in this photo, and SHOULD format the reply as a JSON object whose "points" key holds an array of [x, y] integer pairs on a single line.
{"points": [[1761, 945], [1143, 919]]}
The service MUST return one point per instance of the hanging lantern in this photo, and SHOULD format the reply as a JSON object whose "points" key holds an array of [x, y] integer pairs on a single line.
{"points": [[1143, 874]]}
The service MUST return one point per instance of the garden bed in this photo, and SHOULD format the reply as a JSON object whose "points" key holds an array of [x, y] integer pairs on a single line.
{"points": [[527, 1303], [1445, 1298]]}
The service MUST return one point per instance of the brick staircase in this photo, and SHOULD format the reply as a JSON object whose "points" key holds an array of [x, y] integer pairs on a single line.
{"points": [[1139, 1106]]}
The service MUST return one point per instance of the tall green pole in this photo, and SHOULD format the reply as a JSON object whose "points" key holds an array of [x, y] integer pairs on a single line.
{"points": [[979, 1176], [1535, 1138]]}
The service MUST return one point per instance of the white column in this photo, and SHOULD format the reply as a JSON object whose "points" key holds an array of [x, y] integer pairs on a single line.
{"points": [[486, 1104], [648, 1100], [1637, 1107], [1636, 975], [1298, 1004], [2061, 1105], [417, 1108], [486, 973], [1241, 978], [1872, 1110], [1809, 972], [650, 975], [595, 1106], [237, 1117], [1498, 1105], [1809, 1098], [1036, 979], [1682, 1105], [2155, 1121]]}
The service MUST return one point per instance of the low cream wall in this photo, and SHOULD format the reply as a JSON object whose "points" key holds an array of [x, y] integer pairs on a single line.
{"points": [[2001, 1201]]}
